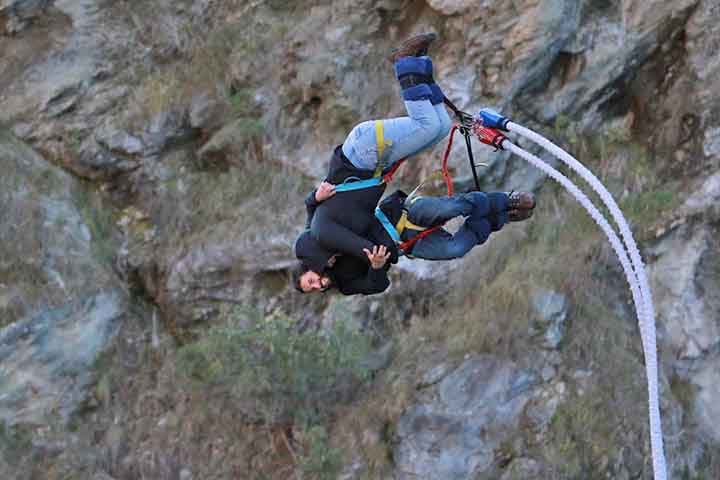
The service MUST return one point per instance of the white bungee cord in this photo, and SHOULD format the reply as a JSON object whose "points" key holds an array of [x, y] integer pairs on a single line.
{"points": [[633, 266]]}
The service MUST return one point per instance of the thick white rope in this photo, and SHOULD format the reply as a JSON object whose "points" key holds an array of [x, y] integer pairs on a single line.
{"points": [[646, 313], [636, 276]]}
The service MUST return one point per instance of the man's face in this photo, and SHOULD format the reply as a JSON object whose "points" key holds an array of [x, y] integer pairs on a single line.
{"points": [[313, 282]]}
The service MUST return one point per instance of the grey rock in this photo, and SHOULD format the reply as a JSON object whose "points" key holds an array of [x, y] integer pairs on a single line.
{"points": [[470, 412], [17, 14], [704, 199], [222, 265], [115, 138], [434, 375], [711, 147], [48, 359], [205, 111], [548, 373], [451, 7], [551, 312], [706, 405], [687, 312], [58, 296], [165, 129]]}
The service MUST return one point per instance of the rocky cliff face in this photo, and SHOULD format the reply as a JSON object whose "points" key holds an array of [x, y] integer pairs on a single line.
{"points": [[155, 156]]}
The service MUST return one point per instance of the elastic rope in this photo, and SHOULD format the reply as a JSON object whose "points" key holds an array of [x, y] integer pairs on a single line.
{"points": [[636, 277], [646, 321]]}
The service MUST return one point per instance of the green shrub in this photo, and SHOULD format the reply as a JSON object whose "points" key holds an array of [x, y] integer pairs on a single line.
{"points": [[320, 461], [280, 373], [645, 208], [579, 436]]}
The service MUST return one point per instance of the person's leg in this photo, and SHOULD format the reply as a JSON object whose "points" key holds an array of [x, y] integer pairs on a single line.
{"points": [[431, 211], [441, 245], [404, 136], [483, 214], [445, 122], [498, 215]]}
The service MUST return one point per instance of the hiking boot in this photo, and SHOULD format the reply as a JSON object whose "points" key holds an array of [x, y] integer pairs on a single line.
{"points": [[413, 47], [520, 201], [519, 215]]}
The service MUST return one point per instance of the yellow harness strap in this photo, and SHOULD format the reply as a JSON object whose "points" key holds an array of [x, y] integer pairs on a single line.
{"points": [[404, 223], [381, 144]]}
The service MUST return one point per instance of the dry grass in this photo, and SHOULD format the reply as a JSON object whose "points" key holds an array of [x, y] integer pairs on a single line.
{"points": [[219, 60]]}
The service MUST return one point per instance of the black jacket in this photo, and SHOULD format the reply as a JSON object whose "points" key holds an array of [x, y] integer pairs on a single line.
{"points": [[345, 223], [350, 275]]}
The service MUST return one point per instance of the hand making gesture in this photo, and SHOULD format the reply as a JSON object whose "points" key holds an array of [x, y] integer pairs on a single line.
{"points": [[378, 256]]}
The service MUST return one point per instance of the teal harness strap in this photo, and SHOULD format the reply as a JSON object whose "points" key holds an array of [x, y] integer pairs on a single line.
{"points": [[359, 184], [389, 228]]}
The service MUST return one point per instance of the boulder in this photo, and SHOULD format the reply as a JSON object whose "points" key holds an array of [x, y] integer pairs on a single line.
{"points": [[60, 302], [454, 429], [551, 310], [686, 311]]}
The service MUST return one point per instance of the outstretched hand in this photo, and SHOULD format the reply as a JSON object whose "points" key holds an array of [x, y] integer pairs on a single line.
{"points": [[324, 191], [378, 256]]}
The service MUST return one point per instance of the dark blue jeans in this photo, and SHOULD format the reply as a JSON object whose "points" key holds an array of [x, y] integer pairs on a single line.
{"points": [[485, 213]]}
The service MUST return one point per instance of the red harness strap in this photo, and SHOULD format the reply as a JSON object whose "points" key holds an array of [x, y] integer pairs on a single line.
{"points": [[408, 245], [389, 175]]}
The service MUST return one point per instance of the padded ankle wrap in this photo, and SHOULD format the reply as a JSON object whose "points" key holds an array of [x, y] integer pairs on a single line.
{"points": [[418, 92], [407, 81], [413, 65], [437, 95]]}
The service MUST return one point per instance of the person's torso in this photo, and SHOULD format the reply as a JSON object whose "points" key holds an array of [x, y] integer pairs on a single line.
{"points": [[354, 209]]}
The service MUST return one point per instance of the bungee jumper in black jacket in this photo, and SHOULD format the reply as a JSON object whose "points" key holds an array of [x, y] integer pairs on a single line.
{"points": [[484, 213]]}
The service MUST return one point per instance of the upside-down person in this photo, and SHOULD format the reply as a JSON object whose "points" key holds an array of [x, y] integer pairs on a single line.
{"points": [[346, 246], [325, 263]]}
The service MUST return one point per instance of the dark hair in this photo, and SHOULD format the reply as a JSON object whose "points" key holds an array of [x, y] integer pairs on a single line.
{"points": [[298, 271]]}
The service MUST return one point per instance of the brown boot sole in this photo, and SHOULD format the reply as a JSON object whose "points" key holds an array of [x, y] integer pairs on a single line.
{"points": [[413, 46], [519, 215], [521, 201]]}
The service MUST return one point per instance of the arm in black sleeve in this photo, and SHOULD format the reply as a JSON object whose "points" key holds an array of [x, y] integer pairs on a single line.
{"points": [[379, 236], [338, 238], [374, 281], [310, 204]]}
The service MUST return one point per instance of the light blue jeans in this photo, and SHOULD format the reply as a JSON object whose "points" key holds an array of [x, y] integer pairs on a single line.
{"points": [[425, 125], [485, 213]]}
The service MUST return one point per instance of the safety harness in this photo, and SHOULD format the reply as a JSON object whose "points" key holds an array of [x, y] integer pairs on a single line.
{"points": [[466, 126], [353, 183]]}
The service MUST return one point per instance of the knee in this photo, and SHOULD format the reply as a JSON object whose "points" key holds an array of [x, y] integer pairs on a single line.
{"points": [[430, 125], [435, 128], [481, 204], [498, 201], [444, 123]]}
